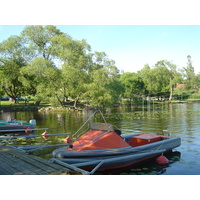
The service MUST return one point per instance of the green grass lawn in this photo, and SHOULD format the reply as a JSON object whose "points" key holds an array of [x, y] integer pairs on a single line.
{"points": [[21, 104], [9, 106], [8, 103]]}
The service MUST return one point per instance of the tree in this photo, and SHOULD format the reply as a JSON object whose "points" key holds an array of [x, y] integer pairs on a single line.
{"points": [[156, 80], [40, 40], [46, 45], [104, 87], [72, 52], [171, 76], [13, 56], [41, 79], [73, 55], [198, 80], [148, 78], [189, 74], [132, 83], [75, 80]]}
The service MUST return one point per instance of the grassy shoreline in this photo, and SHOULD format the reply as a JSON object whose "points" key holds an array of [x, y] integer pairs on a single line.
{"points": [[7, 106]]}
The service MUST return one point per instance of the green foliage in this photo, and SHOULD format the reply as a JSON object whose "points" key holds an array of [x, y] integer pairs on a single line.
{"points": [[40, 40], [132, 83], [189, 74], [12, 59], [194, 96], [50, 65], [162, 78], [40, 78], [104, 87]]}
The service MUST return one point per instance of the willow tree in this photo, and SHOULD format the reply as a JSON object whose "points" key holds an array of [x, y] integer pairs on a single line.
{"points": [[40, 77], [104, 87], [75, 60], [39, 40]]}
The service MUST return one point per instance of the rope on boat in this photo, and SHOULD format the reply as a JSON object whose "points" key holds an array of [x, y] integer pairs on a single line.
{"points": [[85, 123], [88, 121], [82, 132], [102, 116], [160, 145]]}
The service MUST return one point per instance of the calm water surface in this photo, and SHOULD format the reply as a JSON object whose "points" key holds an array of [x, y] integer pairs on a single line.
{"points": [[182, 120]]}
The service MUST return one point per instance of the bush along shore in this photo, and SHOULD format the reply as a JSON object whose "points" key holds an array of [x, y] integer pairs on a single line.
{"points": [[16, 108], [6, 106]]}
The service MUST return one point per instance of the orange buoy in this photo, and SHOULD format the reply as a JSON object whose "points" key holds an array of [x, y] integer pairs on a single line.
{"points": [[162, 160], [28, 131], [44, 135], [68, 140]]}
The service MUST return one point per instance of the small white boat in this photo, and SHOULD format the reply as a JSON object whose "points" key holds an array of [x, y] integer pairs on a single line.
{"points": [[10, 126]]}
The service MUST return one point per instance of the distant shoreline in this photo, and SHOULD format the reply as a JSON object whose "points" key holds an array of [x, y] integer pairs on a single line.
{"points": [[48, 107]]}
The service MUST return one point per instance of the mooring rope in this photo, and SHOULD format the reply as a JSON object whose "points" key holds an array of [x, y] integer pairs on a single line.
{"points": [[102, 116], [85, 123]]}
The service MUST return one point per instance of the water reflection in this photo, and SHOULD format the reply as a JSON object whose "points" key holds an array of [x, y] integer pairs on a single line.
{"points": [[182, 120]]}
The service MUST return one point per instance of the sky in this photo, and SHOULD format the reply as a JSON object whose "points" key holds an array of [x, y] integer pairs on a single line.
{"points": [[132, 33], [133, 46]]}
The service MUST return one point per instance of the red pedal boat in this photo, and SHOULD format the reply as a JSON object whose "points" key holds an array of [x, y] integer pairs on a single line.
{"points": [[104, 147]]}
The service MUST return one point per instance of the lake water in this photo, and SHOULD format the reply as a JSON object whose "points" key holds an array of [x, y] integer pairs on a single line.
{"points": [[182, 120]]}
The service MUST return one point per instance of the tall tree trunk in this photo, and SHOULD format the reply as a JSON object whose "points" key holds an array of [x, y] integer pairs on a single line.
{"points": [[61, 103], [75, 103], [171, 93], [37, 103]]}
